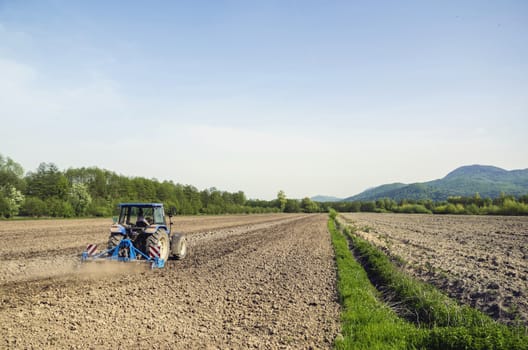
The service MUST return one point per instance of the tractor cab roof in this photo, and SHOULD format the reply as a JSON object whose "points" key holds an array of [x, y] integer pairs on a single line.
{"points": [[141, 205]]}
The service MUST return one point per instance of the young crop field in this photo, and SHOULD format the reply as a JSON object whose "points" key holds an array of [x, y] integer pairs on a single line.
{"points": [[480, 261], [249, 281]]}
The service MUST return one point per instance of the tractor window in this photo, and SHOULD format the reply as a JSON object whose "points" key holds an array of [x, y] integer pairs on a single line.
{"points": [[131, 215], [124, 216], [159, 216], [144, 213]]}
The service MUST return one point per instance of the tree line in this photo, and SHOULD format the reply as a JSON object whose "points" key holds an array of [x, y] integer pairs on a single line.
{"points": [[90, 191], [472, 205]]}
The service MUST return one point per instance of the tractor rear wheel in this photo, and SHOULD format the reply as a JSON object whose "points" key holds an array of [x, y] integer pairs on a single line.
{"points": [[114, 239], [160, 240]]}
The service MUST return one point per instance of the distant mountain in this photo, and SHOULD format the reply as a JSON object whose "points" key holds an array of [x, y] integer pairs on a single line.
{"points": [[488, 181], [320, 198], [376, 192]]}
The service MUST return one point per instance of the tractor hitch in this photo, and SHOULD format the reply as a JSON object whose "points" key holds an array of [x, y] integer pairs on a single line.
{"points": [[125, 251]]}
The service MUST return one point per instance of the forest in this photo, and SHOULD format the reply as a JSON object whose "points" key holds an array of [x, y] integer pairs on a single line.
{"points": [[90, 191]]}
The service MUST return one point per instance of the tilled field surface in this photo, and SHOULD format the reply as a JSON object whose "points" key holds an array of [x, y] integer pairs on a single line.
{"points": [[480, 260], [252, 281]]}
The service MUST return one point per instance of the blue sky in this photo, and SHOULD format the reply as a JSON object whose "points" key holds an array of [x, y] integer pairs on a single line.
{"points": [[311, 97]]}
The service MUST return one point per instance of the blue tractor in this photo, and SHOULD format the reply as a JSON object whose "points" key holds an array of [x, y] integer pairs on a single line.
{"points": [[140, 233]]}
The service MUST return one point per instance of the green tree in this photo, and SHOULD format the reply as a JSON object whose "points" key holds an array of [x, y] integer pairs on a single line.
{"points": [[309, 206], [292, 206], [239, 198], [354, 207], [11, 186], [11, 173], [370, 206], [79, 198], [33, 206], [478, 200], [59, 208], [10, 201], [193, 202], [165, 192], [281, 197], [47, 182]]}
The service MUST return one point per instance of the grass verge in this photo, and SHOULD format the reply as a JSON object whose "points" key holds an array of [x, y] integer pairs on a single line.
{"points": [[438, 323], [367, 323]]}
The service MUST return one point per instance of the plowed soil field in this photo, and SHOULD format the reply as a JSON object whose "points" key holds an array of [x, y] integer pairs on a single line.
{"points": [[480, 260], [253, 281]]}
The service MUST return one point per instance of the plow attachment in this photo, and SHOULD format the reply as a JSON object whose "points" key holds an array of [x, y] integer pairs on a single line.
{"points": [[125, 251]]}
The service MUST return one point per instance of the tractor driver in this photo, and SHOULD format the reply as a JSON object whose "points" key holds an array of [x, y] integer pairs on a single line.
{"points": [[141, 221]]}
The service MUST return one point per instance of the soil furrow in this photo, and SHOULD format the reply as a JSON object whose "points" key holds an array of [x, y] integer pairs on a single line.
{"points": [[480, 260], [268, 285]]}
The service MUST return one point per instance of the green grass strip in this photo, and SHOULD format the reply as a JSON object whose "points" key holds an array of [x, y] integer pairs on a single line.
{"points": [[443, 323], [431, 306], [367, 323]]}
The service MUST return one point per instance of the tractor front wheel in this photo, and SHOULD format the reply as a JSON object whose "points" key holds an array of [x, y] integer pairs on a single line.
{"points": [[159, 240]]}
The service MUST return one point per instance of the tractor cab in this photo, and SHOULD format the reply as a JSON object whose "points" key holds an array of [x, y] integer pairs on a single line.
{"points": [[141, 214]]}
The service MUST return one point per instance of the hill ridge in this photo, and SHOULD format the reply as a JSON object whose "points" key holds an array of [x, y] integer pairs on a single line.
{"points": [[487, 180]]}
